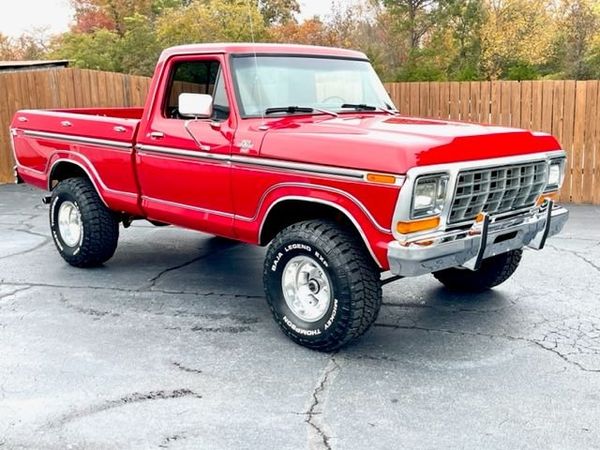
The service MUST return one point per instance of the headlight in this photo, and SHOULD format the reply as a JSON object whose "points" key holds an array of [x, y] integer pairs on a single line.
{"points": [[556, 173], [429, 196]]}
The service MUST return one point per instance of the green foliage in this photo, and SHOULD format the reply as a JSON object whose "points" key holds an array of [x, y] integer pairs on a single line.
{"points": [[521, 71], [98, 50]]}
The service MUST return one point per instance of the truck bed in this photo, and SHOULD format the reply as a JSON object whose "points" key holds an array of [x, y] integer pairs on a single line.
{"points": [[96, 139]]}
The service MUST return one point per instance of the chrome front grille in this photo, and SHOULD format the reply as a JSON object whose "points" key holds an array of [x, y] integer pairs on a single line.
{"points": [[497, 190]]}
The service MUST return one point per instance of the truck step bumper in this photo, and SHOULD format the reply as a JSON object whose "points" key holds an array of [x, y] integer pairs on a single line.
{"points": [[467, 248]]}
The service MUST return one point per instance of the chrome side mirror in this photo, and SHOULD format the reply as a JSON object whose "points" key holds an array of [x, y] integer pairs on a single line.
{"points": [[197, 106]]}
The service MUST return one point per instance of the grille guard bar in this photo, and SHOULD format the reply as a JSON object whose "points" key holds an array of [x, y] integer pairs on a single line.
{"points": [[468, 248]]}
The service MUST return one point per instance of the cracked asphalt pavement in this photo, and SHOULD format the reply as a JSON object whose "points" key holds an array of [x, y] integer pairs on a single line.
{"points": [[171, 345]]}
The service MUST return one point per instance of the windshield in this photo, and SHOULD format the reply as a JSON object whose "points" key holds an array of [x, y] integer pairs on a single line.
{"points": [[268, 82]]}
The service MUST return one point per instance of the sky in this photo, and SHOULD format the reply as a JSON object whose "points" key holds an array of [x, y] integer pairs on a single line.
{"points": [[24, 15]]}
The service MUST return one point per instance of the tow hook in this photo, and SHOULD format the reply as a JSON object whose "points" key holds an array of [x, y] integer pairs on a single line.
{"points": [[46, 199]]}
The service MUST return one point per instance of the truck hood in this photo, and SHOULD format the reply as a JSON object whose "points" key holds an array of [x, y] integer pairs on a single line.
{"points": [[394, 144]]}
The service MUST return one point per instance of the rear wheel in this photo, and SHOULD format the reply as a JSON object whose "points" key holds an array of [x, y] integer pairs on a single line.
{"points": [[84, 230], [323, 288], [493, 271]]}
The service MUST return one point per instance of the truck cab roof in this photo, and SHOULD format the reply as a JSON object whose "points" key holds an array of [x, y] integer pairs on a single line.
{"points": [[250, 48]]}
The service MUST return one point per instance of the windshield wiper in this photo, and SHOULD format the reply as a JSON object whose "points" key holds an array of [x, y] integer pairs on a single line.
{"points": [[299, 109], [364, 107]]}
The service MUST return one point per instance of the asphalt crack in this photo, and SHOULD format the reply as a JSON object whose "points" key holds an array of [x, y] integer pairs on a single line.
{"points": [[318, 438], [135, 397], [154, 280], [45, 241], [535, 342], [168, 440], [131, 290], [14, 292], [591, 263], [185, 368]]}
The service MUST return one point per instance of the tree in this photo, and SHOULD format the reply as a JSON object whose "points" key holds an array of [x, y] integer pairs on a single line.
{"points": [[579, 25], [91, 15], [7, 49], [516, 33], [415, 18], [464, 21], [98, 50], [211, 21], [278, 11]]}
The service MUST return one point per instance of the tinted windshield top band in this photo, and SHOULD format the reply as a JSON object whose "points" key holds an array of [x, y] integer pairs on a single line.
{"points": [[297, 55]]}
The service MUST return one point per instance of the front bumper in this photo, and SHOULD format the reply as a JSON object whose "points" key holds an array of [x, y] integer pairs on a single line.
{"points": [[467, 248]]}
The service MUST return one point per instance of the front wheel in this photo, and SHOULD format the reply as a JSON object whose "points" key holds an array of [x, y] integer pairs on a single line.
{"points": [[84, 230], [323, 288], [493, 271]]}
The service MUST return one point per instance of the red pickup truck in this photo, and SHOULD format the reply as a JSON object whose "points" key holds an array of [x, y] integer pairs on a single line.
{"points": [[299, 148]]}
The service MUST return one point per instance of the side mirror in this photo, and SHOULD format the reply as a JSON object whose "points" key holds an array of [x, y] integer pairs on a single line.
{"points": [[197, 106]]}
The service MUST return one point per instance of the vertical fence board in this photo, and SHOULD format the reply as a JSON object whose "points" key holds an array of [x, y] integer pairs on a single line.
{"points": [[536, 105], [525, 104], [567, 137], [547, 98], [578, 142], [424, 100], [515, 104], [454, 100], [485, 113], [464, 108], [591, 126]]}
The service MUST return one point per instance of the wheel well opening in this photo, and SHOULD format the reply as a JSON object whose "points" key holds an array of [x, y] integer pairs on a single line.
{"points": [[64, 171], [289, 212]]}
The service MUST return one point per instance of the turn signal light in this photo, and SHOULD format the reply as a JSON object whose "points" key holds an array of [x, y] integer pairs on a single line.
{"points": [[418, 225], [381, 178], [551, 195]]}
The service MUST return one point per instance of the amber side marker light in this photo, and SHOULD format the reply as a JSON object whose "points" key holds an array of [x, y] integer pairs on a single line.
{"points": [[381, 178], [550, 195], [417, 225]]}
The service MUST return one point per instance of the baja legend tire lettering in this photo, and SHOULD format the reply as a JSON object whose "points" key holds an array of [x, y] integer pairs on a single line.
{"points": [[297, 247], [276, 262]]}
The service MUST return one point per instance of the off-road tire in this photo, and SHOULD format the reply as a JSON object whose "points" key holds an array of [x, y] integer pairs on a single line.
{"points": [[100, 226], [493, 271], [354, 277]]}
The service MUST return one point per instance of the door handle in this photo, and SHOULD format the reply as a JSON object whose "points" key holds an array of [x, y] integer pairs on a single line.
{"points": [[120, 129], [157, 135]]}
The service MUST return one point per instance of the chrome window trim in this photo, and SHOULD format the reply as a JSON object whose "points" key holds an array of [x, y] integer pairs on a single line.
{"points": [[194, 154], [403, 205], [79, 139]]}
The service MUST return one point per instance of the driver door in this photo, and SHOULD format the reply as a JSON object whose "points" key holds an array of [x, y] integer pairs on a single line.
{"points": [[185, 179]]}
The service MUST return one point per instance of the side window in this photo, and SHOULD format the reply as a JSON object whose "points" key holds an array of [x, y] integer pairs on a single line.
{"points": [[196, 77]]}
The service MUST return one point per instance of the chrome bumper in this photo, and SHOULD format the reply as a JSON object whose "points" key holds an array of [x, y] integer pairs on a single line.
{"points": [[467, 248]]}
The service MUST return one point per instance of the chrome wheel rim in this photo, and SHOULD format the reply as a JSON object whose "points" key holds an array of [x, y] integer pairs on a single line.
{"points": [[69, 223], [306, 288]]}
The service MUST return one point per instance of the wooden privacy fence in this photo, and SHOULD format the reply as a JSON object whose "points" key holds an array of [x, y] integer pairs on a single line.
{"points": [[570, 110], [61, 88]]}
